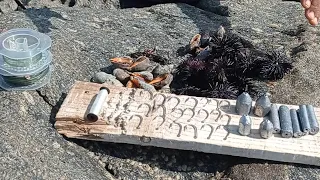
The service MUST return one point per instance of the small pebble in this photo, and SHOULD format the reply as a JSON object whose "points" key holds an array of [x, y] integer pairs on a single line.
{"points": [[177, 177], [276, 26], [91, 154], [166, 159], [173, 160], [56, 145], [102, 164], [155, 168], [189, 169], [169, 164], [147, 167], [163, 155], [70, 153], [104, 159], [132, 163]]}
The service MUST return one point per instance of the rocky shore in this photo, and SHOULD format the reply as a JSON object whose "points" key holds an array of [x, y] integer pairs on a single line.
{"points": [[85, 37]]}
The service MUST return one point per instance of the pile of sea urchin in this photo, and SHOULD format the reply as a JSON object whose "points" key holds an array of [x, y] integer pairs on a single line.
{"points": [[223, 65]]}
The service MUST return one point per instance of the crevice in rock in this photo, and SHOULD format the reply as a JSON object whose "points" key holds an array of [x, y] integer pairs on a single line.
{"points": [[44, 97], [19, 3]]}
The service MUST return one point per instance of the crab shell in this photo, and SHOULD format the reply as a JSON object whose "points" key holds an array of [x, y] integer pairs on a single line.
{"points": [[130, 84], [141, 84], [141, 64], [195, 42], [162, 80], [122, 62]]}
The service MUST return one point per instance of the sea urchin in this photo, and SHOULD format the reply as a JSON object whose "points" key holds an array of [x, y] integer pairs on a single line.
{"points": [[275, 66]]}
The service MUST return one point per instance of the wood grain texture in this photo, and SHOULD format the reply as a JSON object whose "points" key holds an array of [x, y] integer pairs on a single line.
{"points": [[135, 116]]}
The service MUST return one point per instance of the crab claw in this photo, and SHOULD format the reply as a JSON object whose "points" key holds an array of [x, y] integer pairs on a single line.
{"points": [[130, 84], [195, 42], [162, 80], [122, 62], [141, 64], [141, 84]]}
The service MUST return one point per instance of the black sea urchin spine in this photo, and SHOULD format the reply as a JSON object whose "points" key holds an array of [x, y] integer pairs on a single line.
{"points": [[275, 66]]}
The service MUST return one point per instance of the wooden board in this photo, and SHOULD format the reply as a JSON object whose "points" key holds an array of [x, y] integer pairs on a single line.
{"points": [[171, 126]]}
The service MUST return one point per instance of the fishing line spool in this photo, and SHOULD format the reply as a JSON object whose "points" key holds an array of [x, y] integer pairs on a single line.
{"points": [[25, 59]]}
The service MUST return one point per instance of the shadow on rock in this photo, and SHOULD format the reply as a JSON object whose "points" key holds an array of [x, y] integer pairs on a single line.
{"points": [[42, 18], [182, 161], [56, 108]]}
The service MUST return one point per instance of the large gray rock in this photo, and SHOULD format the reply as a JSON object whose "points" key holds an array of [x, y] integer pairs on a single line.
{"points": [[83, 41]]}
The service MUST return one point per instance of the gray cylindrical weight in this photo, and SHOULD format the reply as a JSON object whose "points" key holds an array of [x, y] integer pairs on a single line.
{"points": [[266, 129], [245, 125], [274, 118], [285, 122], [314, 125], [262, 106], [295, 124], [97, 105], [304, 120], [243, 104]]}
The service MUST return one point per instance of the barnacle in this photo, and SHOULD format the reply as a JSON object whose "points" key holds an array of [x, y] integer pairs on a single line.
{"points": [[275, 66]]}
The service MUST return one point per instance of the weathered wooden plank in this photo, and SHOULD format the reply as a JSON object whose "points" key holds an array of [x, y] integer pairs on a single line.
{"points": [[212, 128]]}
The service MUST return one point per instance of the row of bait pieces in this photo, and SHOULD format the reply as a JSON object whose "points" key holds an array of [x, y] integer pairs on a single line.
{"points": [[288, 122]]}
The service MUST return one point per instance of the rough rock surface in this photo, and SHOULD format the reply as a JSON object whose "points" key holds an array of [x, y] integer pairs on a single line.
{"points": [[7, 6], [84, 39]]}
